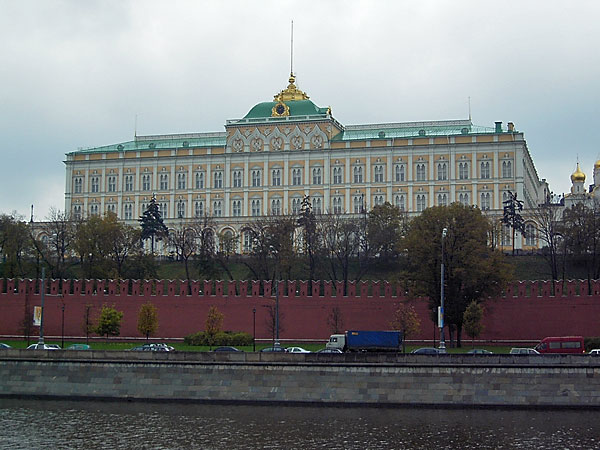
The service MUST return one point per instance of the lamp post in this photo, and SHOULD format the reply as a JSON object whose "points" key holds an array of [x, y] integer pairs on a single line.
{"points": [[253, 329], [63, 327], [42, 295], [441, 312]]}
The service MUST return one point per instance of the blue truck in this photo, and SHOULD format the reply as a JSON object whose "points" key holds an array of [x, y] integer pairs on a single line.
{"points": [[366, 341]]}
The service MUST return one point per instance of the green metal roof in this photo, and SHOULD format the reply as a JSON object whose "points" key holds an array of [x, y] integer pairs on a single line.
{"points": [[411, 130], [142, 143], [297, 108]]}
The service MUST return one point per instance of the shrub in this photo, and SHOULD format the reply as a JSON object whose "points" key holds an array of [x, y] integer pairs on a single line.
{"points": [[221, 338]]}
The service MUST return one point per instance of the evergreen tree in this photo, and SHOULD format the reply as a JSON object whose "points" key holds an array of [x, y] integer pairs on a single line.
{"points": [[512, 216], [152, 223]]}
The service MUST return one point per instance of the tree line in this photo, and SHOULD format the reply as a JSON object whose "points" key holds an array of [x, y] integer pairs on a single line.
{"points": [[312, 246]]}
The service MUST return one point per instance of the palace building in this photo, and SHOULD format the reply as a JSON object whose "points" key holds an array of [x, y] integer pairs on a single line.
{"points": [[289, 148]]}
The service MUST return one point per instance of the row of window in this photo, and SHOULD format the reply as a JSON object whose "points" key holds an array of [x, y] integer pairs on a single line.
{"points": [[256, 177], [337, 202]]}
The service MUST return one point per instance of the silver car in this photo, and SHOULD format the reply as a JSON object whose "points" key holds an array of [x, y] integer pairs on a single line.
{"points": [[523, 351]]}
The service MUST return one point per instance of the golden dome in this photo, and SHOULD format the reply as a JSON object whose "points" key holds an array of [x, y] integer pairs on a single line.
{"points": [[578, 175], [597, 164]]}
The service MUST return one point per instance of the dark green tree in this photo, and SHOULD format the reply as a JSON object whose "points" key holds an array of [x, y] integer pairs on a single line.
{"points": [[512, 216], [152, 224], [385, 226], [473, 270]]}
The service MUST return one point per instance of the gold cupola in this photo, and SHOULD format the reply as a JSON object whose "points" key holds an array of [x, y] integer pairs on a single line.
{"points": [[290, 93], [578, 176], [597, 164]]}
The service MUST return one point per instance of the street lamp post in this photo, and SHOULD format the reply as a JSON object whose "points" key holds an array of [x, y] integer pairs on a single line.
{"points": [[42, 295], [253, 329], [441, 314], [277, 344], [63, 327]]}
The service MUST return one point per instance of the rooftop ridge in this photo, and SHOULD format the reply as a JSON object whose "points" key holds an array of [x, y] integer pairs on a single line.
{"points": [[424, 124]]}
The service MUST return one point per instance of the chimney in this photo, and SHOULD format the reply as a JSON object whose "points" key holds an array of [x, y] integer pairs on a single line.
{"points": [[511, 127], [498, 127]]}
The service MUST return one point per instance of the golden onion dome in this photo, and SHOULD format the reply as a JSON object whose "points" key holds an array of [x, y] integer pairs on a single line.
{"points": [[597, 164], [578, 175]]}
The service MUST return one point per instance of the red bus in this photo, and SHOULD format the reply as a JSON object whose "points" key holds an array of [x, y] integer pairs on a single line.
{"points": [[565, 344]]}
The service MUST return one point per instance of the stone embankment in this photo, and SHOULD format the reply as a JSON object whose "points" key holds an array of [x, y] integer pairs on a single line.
{"points": [[567, 381]]}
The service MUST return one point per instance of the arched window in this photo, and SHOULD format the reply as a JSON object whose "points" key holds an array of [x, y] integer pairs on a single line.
{"points": [[236, 208], [530, 234], [217, 208], [378, 174], [316, 176], [337, 175], [463, 170], [442, 199], [256, 182], [485, 201], [276, 177], [276, 206], [421, 202], [421, 172], [506, 169], [358, 174], [399, 172], [485, 170], [199, 180], [400, 201], [199, 208], [255, 207], [442, 170]]}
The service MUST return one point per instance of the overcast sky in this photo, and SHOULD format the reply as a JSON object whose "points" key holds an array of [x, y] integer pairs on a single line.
{"points": [[75, 74]]}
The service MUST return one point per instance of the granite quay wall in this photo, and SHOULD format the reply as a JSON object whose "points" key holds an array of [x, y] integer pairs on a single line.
{"points": [[378, 380], [525, 311]]}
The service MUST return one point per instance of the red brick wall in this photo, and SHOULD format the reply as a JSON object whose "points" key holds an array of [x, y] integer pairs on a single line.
{"points": [[526, 311]]}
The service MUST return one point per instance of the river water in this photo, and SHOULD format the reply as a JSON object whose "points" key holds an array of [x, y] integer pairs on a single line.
{"points": [[44, 424]]}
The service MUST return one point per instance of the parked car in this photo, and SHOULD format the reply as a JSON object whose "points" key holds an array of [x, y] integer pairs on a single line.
{"points": [[3, 345], [479, 351], [330, 350], [78, 347], [595, 352], [523, 351], [39, 346], [226, 349], [297, 350], [274, 349], [430, 351], [153, 348]]}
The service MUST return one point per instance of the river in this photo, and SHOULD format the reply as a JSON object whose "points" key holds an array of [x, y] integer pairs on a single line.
{"points": [[45, 424]]}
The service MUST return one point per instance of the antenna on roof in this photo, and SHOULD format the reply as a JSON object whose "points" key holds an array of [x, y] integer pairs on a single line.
{"points": [[292, 51], [469, 108], [135, 127]]}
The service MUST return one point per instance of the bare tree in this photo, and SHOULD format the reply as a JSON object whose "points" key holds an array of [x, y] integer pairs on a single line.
{"points": [[54, 242], [183, 238], [547, 218], [335, 320]]}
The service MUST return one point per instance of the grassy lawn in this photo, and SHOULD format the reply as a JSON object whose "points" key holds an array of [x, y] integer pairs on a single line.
{"points": [[180, 346]]}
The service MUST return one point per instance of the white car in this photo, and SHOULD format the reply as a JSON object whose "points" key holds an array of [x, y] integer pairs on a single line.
{"points": [[524, 351], [595, 352], [43, 347], [297, 350]]}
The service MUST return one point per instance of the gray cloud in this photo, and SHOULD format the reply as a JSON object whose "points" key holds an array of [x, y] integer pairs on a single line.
{"points": [[75, 74]]}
